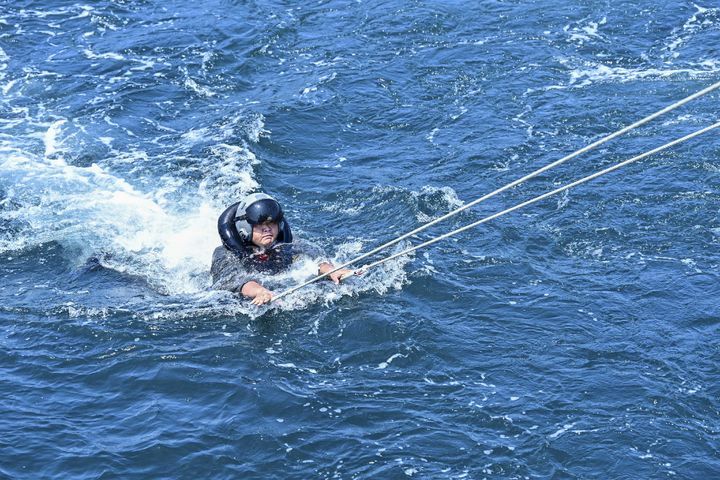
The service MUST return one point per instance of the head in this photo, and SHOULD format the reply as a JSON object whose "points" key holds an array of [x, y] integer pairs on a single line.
{"points": [[259, 219], [265, 234]]}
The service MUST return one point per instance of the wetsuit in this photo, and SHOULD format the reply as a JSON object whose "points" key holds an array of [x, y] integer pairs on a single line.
{"points": [[232, 269]]}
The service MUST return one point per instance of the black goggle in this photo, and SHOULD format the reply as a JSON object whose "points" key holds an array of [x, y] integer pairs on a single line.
{"points": [[265, 210]]}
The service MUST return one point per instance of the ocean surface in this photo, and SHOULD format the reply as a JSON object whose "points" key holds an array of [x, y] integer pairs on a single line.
{"points": [[575, 338]]}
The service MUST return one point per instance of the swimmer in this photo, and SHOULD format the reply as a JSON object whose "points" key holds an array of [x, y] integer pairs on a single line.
{"points": [[257, 239]]}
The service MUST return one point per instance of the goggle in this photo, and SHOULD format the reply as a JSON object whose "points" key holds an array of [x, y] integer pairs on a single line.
{"points": [[265, 210]]}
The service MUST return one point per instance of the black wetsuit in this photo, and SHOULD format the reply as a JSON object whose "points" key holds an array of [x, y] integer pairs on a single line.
{"points": [[231, 270]]}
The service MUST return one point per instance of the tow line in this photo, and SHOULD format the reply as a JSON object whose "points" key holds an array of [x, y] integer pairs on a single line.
{"points": [[363, 269]]}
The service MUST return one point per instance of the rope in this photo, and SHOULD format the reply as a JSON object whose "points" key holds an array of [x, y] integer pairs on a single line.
{"points": [[543, 196], [508, 186]]}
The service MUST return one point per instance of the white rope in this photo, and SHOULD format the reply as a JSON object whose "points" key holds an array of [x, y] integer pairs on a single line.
{"points": [[507, 186], [543, 196]]}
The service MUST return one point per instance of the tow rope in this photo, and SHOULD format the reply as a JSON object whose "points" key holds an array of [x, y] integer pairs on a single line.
{"points": [[514, 183]]}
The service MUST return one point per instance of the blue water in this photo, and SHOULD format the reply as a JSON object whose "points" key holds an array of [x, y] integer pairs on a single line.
{"points": [[577, 338]]}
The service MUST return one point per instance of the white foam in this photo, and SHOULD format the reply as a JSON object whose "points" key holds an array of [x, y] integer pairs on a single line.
{"points": [[585, 33], [598, 72], [6, 88], [450, 201], [562, 430], [293, 366], [145, 64], [384, 365], [51, 137], [107, 56], [86, 9], [590, 72], [463, 111], [91, 211], [229, 170], [380, 280], [693, 25], [199, 89], [255, 128], [321, 81]]}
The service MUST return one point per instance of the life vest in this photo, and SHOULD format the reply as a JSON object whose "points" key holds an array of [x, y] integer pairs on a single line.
{"points": [[276, 258], [273, 260]]}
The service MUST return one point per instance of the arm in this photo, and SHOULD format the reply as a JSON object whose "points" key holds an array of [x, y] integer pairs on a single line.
{"points": [[257, 292], [227, 271], [335, 277], [316, 253]]}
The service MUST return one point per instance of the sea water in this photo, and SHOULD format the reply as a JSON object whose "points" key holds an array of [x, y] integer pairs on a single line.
{"points": [[576, 338]]}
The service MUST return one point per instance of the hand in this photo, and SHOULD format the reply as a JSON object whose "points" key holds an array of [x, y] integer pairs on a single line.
{"points": [[336, 277], [262, 296]]}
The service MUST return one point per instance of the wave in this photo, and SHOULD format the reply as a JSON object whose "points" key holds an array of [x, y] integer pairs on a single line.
{"points": [[702, 19], [595, 72], [426, 204], [96, 214], [101, 218], [584, 32]]}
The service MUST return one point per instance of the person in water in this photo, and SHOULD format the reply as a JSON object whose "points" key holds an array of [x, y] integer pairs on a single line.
{"points": [[257, 239]]}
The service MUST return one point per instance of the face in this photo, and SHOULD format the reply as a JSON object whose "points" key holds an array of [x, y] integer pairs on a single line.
{"points": [[264, 234]]}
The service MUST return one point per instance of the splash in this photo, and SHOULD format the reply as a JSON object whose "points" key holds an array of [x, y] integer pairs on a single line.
{"points": [[96, 215], [390, 276]]}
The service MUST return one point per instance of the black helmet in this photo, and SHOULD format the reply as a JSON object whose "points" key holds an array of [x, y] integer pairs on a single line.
{"points": [[254, 209]]}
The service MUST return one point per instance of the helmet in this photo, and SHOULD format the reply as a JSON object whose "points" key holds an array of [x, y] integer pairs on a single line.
{"points": [[254, 209]]}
